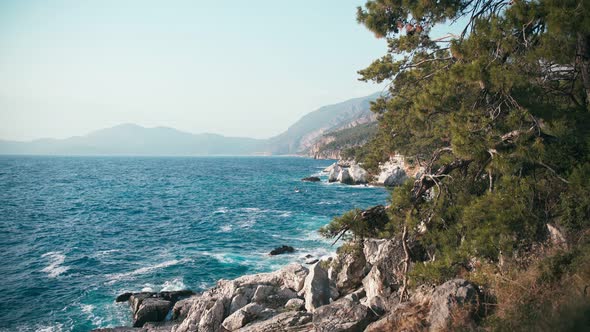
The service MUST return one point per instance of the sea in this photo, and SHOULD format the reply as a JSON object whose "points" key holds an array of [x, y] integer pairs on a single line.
{"points": [[75, 232]]}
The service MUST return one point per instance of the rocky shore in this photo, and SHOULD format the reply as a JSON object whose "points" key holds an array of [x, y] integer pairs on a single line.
{"points": [[391, 173], [356, 290]]}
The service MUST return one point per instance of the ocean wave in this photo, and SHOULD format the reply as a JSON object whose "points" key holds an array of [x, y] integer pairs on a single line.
{"points": [[88, 310], [222, 210], [225, 228], [143, 270], [175, 284], [55, 268], [328, 202]]}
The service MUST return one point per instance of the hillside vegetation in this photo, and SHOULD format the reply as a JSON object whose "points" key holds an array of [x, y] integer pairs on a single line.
{"points": [[499, 116]]}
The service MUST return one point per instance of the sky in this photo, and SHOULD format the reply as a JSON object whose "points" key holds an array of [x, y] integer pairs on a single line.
{"points": [[236, 68]]}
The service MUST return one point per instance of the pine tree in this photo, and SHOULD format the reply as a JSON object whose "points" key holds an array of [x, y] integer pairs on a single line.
{"points": [[499, 117]]}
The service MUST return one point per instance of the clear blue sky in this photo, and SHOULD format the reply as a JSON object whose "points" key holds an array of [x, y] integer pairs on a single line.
{"points": [[238, 68]]}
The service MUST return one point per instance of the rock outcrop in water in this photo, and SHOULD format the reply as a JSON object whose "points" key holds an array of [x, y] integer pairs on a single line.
{"points": [[391, 173], [282, 250], [353, 291]]}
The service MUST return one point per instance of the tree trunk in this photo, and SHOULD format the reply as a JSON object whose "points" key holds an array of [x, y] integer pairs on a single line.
{"points": [[583, 61]]}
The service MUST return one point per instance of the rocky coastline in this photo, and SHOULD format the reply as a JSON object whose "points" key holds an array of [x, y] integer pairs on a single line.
{"points": [[391, 173], [355, 290]]}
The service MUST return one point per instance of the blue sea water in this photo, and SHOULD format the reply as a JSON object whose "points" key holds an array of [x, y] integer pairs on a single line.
{"points": [[77, 231]]}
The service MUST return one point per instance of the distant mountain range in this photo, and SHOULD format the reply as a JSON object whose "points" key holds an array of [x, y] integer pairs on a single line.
{"points": [[131, 139]]}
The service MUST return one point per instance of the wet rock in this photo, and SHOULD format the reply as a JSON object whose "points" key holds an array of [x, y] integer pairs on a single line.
{"points": [[151, 310], [123, 297], [282, 250], [311, 179]]}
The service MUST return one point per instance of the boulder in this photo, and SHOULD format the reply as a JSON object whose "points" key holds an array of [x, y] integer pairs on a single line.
{"points": [[334, 173], [344, 177], [342, 315], [454, 298], [242, 297], [123, 297], [357, 295], [242, 317], [181, 309], [281, 250], [347, 271], [151, 310], [262, 292], [406, 316], [293, 276], [392, 176], [212, 317], [316, 288], [358, 174], [199, 306], [311, 179], [299, 321], [295, 304]]}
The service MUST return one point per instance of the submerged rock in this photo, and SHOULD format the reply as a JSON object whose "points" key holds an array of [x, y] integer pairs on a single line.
{"points": [[311, 179], [150, 306], [281, 250]]}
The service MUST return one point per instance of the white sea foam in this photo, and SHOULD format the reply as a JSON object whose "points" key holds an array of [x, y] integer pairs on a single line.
{"points": [[55, 268], [221, 210], [56, 327], [225, 228], [88, 309], [175, 284], [127, 275]]}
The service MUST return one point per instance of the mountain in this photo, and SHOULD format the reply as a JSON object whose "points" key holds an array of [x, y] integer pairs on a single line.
{"points": [[301, 136], [334, 144], [131, 139]]}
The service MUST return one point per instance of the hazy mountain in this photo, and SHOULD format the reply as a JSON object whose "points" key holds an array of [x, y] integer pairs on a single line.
{"points": [[131, 139]]}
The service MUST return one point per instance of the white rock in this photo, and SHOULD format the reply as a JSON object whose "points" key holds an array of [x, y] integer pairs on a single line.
{"points": [[316, 288], [358, 174], [242, 317], [334, 172], [344, 177], [293, 276], [213, 317], [262, 292]]}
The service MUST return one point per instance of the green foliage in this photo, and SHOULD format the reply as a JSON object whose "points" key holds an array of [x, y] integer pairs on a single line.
{"points": [[357, 224], [504, 98], [350, 138]]}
